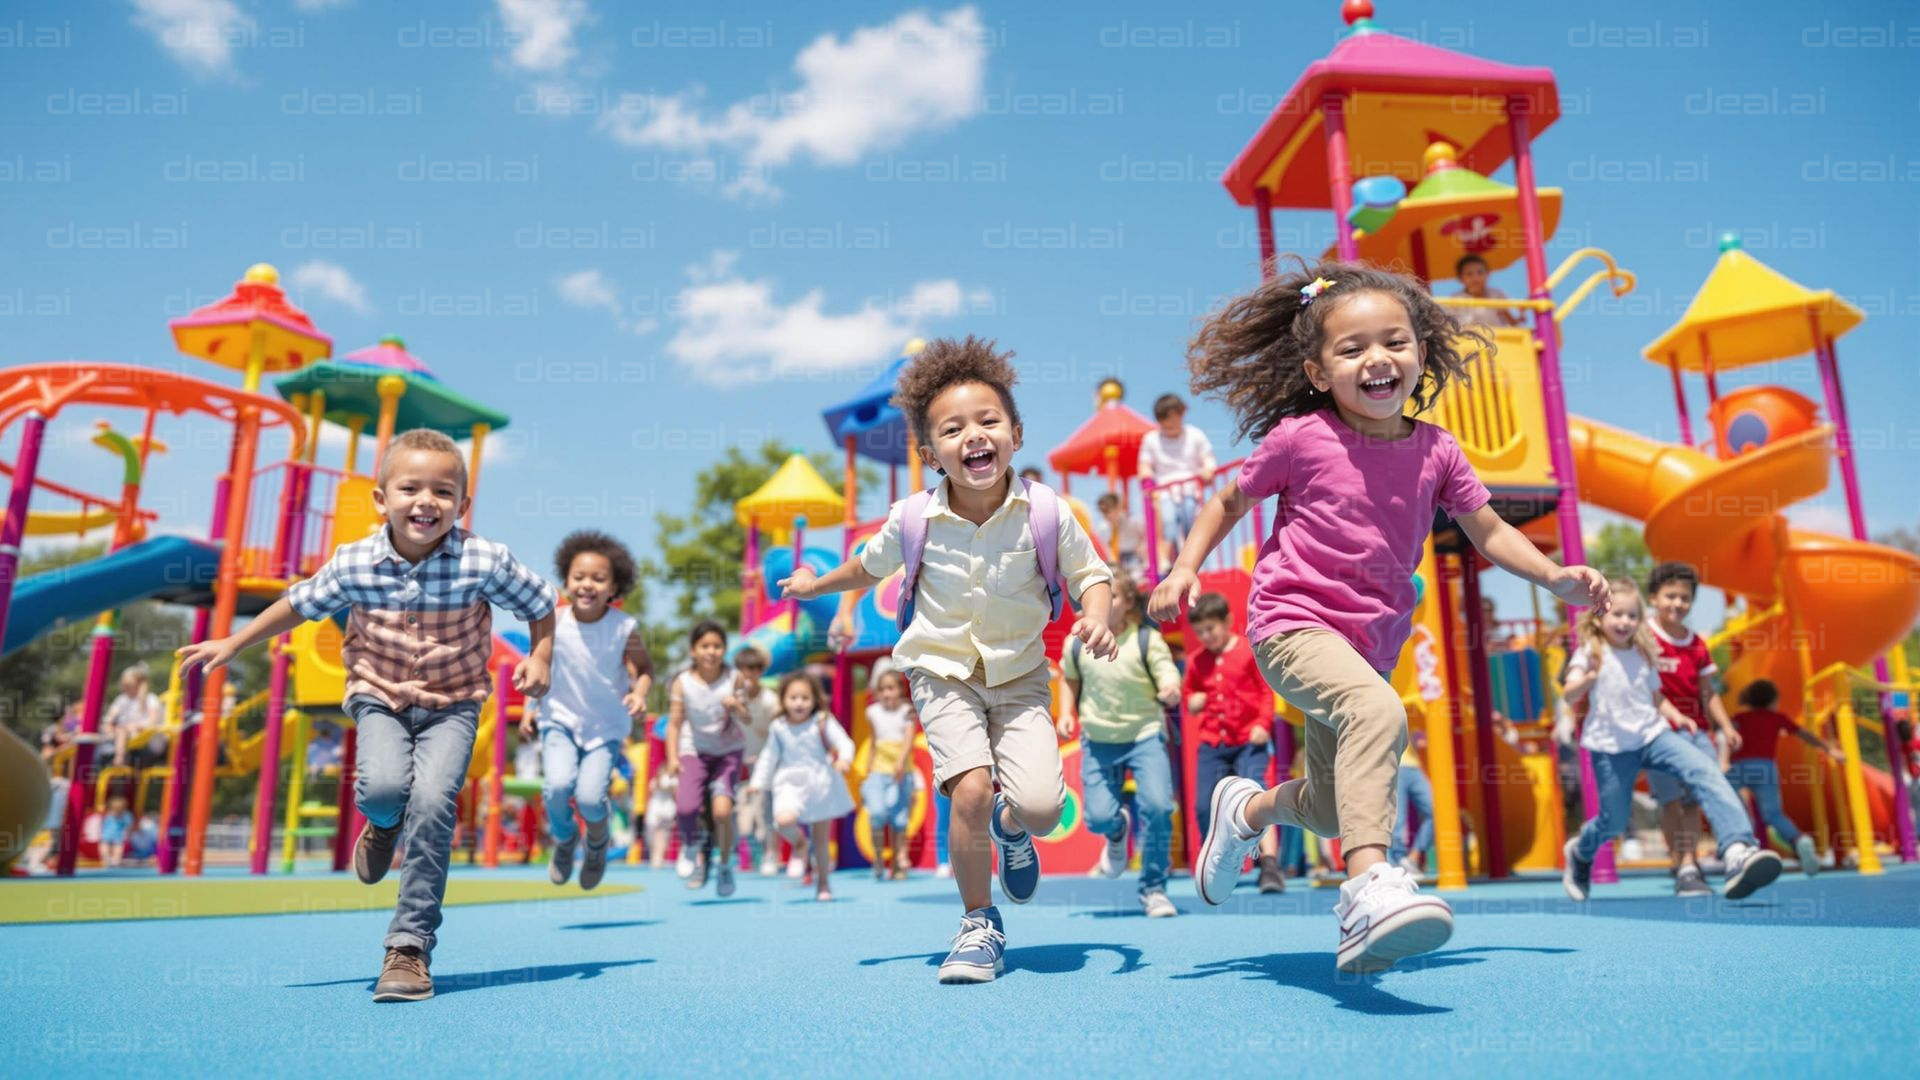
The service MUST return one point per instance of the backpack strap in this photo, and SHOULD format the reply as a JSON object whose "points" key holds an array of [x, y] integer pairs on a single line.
{"points": [[913, 546], [1043, 517], [1141, 637]]}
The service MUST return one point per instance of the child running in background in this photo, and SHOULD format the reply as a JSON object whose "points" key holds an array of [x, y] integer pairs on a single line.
{"points": [[804, 766], [1179, 461], [763, 707], [888, 790], [706, 737], [1320, 365], [1631, 725], [989, 563], [1691, 681], [115, 824], [416, 651], [1413, 793], [1754, 768], [1232, 708], [1122, 718], [601, 675], [1125, 537], [661, 817]]}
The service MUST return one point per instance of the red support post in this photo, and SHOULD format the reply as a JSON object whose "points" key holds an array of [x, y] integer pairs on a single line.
{"points": [[1680, 403], [1263, 220], [1340, 174]]}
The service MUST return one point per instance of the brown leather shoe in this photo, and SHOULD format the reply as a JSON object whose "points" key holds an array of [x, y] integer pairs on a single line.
{"points": [[373, 852], [403, 977], [594, 866]]}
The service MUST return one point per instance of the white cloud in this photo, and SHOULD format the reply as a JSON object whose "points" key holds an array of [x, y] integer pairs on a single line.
{"points": [[199, 33], [1821, 517], [331, 281], [319, 5], [872, 90], [589, 289], [731, 330], [543, 31]]}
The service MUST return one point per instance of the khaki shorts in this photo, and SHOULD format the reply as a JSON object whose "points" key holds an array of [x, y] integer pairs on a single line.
{"points": [[1006, 728]]}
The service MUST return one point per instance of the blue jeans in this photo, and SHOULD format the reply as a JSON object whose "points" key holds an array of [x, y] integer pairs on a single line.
{"points": [[1762, 777], [1103, 771], [1179, 508], [1669, 752], [570, 773], [1412, 789], [409, 768], [1212, 764], [888, 801], [1667, 787]]}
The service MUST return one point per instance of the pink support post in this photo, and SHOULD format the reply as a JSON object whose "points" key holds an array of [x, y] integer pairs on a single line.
{"points": [[1150, 525], [1340, 175], [496, 779], [26, 466], [1680, 403], [1554, 398], [286, 547], [1263, 219], [1706, 367], [1830, 386], [750, 602], [80, 791]]}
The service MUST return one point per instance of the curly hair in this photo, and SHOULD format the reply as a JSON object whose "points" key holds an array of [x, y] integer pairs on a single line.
{"points": [[585, 541], [946, 363], [1253, 353]]}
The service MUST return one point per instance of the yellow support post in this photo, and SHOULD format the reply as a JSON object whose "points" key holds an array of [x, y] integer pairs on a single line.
{"points": [[1856, 785], [296, 790]]}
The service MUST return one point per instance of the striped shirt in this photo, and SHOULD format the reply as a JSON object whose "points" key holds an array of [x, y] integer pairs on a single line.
{"points": [[421, 633]]}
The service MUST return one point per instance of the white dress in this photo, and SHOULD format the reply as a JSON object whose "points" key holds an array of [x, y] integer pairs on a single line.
{"points": [[797, 767]]}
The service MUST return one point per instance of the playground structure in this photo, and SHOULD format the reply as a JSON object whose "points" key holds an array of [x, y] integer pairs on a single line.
{"points": [[278, 526]]}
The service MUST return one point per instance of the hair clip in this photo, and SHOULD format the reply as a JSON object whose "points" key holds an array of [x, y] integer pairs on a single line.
{"points": [[1308, 293]]}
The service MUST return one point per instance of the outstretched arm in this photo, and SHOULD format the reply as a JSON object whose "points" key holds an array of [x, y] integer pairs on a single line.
{"points": [[803, 584], [1182, 584], [279, 618], [1510, 551]]}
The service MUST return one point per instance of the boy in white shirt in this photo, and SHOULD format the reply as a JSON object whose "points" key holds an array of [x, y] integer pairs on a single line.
{"points": [[1179, 461]]}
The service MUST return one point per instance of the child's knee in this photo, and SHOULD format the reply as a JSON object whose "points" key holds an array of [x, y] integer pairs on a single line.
{"points": [[1040, 814], [786, 819], [971, 792], [382, 799]]}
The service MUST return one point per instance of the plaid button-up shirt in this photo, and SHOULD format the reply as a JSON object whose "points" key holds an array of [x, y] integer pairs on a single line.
{"points": [[421, 633]]}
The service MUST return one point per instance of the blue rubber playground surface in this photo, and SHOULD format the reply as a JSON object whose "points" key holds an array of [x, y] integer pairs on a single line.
{"points": [[1810, 978]]}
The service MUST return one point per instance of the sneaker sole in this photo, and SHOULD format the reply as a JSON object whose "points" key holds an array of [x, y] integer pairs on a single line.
{"points": [[1416, 929], [1757, 874], [362, 868], [1574, 892], [1206, 847], [402, 995], [963, 974]]}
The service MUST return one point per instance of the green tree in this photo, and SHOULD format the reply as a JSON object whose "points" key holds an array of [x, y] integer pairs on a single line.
{"points": [[1620, 551]]}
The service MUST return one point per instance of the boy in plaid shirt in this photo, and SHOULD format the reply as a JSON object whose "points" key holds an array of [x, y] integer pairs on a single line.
{"points": [[416, 651]]}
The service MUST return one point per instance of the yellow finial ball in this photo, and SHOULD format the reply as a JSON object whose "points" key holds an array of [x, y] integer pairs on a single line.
{"points": [[1111, 392], [914, 346], [1439, 155], [262, 274]]}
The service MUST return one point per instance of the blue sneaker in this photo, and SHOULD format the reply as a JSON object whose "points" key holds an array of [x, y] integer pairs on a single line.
{"points": [[979, 949], [1019, 862]]}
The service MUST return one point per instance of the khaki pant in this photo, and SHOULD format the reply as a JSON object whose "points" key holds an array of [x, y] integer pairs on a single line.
{"points": [[1008, 728], [1355, 731]]}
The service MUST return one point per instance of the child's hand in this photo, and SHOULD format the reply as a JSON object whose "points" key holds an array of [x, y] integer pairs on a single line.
{"points": [[636, 704], [1065, 725], [1196, 701], [531, 677], [799, 585], [1687, 725], [670, 766], [1581, 586], [1733, 739], [1170, 696], [211, 655], [842, 764], [732, 703], [839, 633], [1258, 736], [901, 770], [1175, 593], [527, 725], [1097, 637]]}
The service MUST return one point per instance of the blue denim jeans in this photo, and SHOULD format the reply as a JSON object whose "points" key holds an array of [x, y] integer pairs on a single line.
{"points": [[570, 773], [1667, 787], [888, 801], [1762, 777], [1178, 510], [408, 769], [1412, 789], [1614, 775], [1212, 764], [1103, 771]]}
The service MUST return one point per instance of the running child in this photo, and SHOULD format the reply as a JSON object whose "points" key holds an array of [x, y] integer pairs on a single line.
{"points": [[601, 675], [887, 793], [987, 563], [1690, 679], [1632, 725], [1122, 719], [1319, 365], [751, 818], [1760, 725], [417, 643], [706, 738], [1232, 710], [804, 767]]}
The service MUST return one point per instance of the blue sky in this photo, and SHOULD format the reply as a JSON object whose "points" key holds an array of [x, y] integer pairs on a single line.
{"points": [[652, 233]]}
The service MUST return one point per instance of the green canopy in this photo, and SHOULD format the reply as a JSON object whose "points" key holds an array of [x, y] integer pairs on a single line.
{"points": [[353, 391]]}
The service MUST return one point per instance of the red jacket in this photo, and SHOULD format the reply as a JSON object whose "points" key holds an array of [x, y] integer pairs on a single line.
{"points": [[1238, 698]]}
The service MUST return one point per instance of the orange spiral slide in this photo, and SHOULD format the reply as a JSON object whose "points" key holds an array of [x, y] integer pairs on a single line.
{"points": [[1849, 601]]}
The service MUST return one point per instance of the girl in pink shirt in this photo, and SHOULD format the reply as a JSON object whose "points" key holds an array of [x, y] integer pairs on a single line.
{"points": [[1319, 365]]}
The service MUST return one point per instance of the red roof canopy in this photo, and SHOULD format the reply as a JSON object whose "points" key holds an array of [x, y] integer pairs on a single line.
{"points": [[1401, 96], [1085, 451]]}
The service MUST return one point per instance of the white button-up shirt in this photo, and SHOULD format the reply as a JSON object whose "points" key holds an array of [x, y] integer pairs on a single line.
{"points": [[981, 600]]}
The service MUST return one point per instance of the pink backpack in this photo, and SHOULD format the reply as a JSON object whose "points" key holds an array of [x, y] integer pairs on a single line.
{"points": [[1043, 518]]}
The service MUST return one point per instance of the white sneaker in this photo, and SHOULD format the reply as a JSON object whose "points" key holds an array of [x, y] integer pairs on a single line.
{"points": [[769, 867], [1411, 865], [1157, 905], [1113, 856], [1749, 870], [797, 866], [943, 871], [1809, 855], [1222, 854], [683, 866], [1384, 919]]}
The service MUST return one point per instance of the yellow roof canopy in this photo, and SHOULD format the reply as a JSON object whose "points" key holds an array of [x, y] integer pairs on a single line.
{"points": [[795, 491], [1750, 313]]}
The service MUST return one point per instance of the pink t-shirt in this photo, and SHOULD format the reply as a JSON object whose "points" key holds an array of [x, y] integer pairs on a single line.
{"points": [[1353, 514]]}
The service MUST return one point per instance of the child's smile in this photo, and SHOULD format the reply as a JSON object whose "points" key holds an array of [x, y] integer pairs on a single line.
{"points": [[973, 439], [1370, 361], [590, 585]]}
